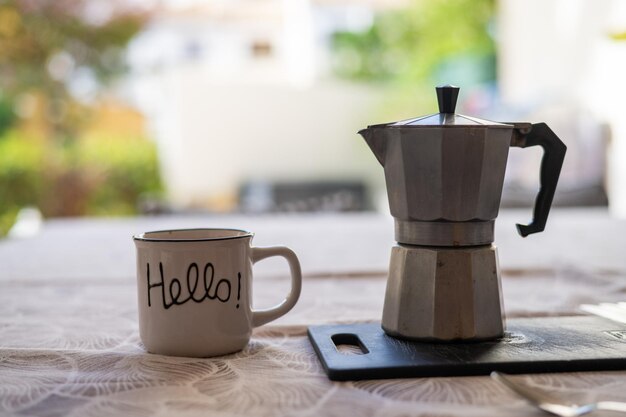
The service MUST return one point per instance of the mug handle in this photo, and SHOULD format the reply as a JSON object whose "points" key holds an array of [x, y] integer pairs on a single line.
{"points": [[260, 317]]}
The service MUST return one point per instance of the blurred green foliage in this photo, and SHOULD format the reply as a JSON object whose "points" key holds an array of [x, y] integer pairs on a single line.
{"points": [[22, 177], [93, 176], [121, 172], [618, 36], [411, 50], [44, 44], [45, 47], [7, 115]]}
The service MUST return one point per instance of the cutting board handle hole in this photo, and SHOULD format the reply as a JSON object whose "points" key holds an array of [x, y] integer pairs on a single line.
{"points": [[349, 344]]}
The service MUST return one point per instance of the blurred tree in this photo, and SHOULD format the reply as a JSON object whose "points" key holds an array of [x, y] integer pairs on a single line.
{"points": [[46, 45], [55, 57], [7, 114], [427, 43]]}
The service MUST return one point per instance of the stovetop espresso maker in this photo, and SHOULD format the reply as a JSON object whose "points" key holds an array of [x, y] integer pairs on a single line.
{"points": [[444, 175]]}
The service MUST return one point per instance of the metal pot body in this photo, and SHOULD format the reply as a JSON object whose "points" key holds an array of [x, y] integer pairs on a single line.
{"points": [[439, 176]]}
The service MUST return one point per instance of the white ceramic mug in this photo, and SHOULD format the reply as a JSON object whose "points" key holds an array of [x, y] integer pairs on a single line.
{"points": [[195, 290]]}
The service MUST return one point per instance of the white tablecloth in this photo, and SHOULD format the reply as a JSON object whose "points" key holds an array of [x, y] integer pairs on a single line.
{"points": [[68, 328]]}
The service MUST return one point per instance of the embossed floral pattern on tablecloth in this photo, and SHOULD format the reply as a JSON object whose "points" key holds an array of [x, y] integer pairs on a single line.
{"points": [[73, 350]]}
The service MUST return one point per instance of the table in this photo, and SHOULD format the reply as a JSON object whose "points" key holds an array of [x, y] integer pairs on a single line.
{"points": [[69, 343]]}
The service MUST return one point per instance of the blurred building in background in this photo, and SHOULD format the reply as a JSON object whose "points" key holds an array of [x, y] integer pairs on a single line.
{"points": [[242, 93], [254, 104], [564, 62]]}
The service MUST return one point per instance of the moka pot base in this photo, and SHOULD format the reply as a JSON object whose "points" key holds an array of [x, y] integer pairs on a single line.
{"points": [[443, 294]]}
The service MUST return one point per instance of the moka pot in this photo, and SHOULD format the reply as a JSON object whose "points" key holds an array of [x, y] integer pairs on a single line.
{"points": [[444, 175]]}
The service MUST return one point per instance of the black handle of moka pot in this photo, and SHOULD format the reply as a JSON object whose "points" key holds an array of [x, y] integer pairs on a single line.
{"points": [[526, 135]]}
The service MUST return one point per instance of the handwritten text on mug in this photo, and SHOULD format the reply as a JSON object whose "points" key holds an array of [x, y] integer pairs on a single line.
{"points": [[221, 291]]}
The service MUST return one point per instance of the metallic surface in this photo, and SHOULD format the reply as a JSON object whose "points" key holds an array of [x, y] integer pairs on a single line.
{"points": [[443, 294], [444, 233], [448, 119], [442, 174]]}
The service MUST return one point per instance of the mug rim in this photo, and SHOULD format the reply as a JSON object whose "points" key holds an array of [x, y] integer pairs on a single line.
{"points": [[142, 236]]}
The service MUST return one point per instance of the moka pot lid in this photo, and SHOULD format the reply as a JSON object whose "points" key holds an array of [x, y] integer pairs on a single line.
{"points": [[446, 96]]}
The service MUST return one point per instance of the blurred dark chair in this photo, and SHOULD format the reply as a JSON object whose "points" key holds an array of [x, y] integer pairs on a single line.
{"points": [[303, 196]]}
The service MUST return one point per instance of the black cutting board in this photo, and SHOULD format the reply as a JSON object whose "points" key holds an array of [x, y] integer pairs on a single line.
{"points": [[530, 345]]}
